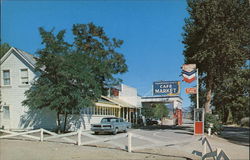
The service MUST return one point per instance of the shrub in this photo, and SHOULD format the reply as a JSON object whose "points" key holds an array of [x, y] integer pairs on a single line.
{"points": [[213, 119], [245, 122]]}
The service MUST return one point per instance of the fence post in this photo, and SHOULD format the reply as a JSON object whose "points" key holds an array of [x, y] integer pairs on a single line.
{"points": [[218, 150], [41, 135], [129, 141], [204, 147], [209, 131], [79, 137]]}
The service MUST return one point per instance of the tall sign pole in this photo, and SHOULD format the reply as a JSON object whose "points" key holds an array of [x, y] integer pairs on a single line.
{"points": [[197, 91]]}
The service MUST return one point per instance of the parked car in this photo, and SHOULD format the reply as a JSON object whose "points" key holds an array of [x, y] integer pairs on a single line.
{"points": [[150, 122], [111, 125]]}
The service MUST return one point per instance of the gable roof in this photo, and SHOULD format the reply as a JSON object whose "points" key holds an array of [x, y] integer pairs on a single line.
{"points": [[24, 55]]}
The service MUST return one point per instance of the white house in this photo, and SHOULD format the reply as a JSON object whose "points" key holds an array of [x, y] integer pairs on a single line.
{"points": [[17, 73]]}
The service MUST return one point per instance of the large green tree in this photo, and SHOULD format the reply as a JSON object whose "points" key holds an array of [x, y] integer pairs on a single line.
{"points": [[74, 76], [231, 97], [217, 39]]}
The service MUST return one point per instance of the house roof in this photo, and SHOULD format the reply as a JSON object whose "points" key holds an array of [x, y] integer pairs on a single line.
{"points": [[27, 56], [24, 55]]}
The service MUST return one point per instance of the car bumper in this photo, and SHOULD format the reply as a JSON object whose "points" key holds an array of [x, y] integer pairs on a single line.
{"points": [[102, 129]]}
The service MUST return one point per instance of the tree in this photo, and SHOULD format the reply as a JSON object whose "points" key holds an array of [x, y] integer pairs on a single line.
{"points": [[216, 38], [155, 111], [148, 111], [74, 76], [232, 96], [160, 111], [3, 49]]}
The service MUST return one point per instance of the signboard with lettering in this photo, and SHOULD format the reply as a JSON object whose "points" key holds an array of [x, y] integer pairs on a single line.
{"points": [[166, 88], [190, 90]]}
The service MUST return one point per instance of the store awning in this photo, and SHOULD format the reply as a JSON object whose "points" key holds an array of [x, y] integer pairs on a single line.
{"points": [[103, 102], [119, 102]]}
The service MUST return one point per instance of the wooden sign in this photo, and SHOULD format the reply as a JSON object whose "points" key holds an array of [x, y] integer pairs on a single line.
{"points": [[190, 90]]}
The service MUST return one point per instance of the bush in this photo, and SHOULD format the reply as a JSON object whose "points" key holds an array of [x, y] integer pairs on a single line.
{"points": [[213, 119], [245, 122]]}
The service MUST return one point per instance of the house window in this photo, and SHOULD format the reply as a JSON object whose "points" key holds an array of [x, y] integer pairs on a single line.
{"points": [[24, 76], [6, 77]]}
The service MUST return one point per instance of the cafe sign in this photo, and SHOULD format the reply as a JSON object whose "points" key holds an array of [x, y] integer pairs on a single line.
{"points": [[166, 88]]}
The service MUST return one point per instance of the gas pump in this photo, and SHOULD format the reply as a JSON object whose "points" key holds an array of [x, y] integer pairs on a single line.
{"points": [[178, 117], [199, 121]]}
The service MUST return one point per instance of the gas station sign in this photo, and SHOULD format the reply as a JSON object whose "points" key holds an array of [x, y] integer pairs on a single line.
{"points": [[166, 88]]}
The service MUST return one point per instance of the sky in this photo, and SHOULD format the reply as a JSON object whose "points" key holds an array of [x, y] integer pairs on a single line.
{"points": [[151, 31]]}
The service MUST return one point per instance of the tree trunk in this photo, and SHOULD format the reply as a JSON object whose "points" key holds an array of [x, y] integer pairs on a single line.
{"points": [[58, 123], [65, 122], [208, 98], [225, 115]]}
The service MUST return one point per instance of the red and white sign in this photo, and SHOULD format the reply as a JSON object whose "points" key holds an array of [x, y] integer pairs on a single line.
{"points": [[189, 67], [191, 90], [189, 80], [188, 71]]}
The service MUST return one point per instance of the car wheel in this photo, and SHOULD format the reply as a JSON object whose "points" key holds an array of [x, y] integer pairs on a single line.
{"points": [[96, 133], [115, 131], [126, 130]]}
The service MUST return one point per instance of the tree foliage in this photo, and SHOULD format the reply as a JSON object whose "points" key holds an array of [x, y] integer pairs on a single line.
{"points": [[160, 111], [231, 97], [3, 49], [155, 111], [74, 76], [217, 39]]}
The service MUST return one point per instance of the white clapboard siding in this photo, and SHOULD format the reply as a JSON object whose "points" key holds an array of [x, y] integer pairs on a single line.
{"points": [[13, 95]]}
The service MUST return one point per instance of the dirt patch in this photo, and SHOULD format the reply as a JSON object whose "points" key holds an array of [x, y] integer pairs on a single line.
{"points": [[34, 150]]}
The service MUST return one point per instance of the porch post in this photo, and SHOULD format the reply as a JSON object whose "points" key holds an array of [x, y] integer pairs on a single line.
{"points": [[127, 115], [119, 112], [123, 116], [136, 116]]}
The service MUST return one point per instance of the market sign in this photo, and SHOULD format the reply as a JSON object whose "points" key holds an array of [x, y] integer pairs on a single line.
{"points": [[190, 90], [166, 88]]}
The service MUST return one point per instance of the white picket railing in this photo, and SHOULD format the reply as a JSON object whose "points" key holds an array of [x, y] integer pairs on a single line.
{"points": [[218, 154], [94, 139]]}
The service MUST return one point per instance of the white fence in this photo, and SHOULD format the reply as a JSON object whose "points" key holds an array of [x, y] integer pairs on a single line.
{"points": [[45, 135], [218, 154]]}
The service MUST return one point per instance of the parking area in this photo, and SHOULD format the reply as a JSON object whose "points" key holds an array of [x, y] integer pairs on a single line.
{"points": [[25, 148], [155, 142]]}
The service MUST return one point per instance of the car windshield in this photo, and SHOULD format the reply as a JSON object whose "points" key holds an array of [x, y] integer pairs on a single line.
{"points": [[109, 120]]}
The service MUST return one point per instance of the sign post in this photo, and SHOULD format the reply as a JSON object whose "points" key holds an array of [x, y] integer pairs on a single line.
{"points": [[188, 72], [198, 112], [197, 90]]}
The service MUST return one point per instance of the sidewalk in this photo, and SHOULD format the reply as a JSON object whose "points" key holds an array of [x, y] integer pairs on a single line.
{"points": [[234, 141]]}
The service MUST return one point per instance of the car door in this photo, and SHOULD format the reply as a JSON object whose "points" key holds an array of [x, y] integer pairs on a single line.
{"points": [[122, 124]]}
